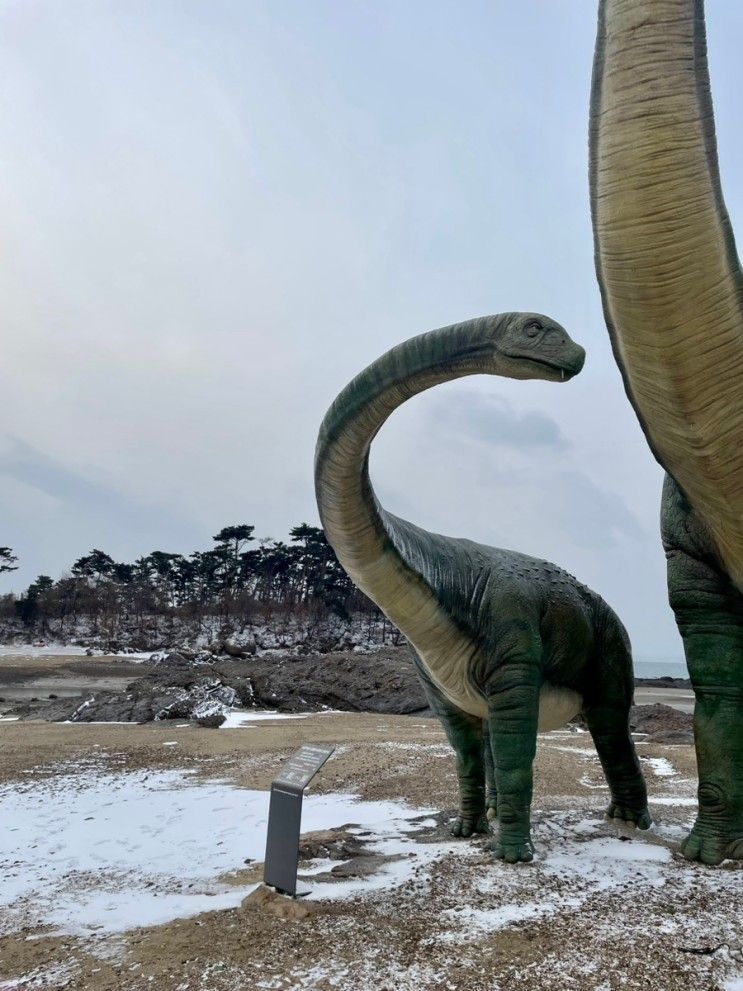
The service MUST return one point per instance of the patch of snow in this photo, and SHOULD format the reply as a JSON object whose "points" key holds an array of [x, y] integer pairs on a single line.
{"points": [[604, 858], [661, 767], [430, 749], [587, 783], [587, 752], [51, 977], [245, 717], [99, 722], [105, 851], [478, 921], [583, 867]]}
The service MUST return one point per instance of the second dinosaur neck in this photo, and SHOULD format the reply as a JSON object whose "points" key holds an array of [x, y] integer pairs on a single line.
{"points": [[358, 528], [666, 261]]}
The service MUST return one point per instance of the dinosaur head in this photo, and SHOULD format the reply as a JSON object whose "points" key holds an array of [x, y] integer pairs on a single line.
{"points": [[532, 346]]}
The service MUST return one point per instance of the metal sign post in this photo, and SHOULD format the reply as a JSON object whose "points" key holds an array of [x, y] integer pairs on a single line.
{"points": [[285, 816]]}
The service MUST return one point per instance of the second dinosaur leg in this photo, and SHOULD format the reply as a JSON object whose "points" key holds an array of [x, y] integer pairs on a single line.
{"points": [[709, 613], [713, 643]]}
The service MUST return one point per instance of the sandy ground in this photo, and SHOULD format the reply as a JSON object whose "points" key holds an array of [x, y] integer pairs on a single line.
{"points": [[401, 906]]}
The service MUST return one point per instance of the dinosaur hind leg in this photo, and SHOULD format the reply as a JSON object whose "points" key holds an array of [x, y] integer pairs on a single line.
{"points": [[606, 711], [491, 792]]}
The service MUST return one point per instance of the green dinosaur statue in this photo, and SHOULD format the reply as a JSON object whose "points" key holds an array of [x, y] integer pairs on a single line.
{"points": [[673, 301], [497, 635]]}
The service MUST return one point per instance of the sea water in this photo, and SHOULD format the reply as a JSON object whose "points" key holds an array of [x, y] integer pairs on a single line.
{"points": [[660, 667]]}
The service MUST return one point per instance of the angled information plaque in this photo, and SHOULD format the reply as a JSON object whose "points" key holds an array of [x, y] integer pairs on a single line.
{"points": [[285, 816]]}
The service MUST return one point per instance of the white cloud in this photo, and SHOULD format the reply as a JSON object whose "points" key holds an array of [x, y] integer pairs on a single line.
{"points": [[215, 215]]}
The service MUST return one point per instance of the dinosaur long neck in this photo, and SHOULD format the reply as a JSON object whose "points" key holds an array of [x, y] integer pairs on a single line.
{"points": [[666, 261], [365, 538]]}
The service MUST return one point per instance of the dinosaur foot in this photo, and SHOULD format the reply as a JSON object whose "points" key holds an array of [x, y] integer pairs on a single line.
{"points": [[512, 851], [640, 817], [717, 834], [469, 825], [710, 846]]}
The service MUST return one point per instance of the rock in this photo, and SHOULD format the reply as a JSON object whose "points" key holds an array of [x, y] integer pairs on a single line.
{"points": [[204, 657], [210, 714], [665, 681], [673, 737], [171, 659], [231, 648], [90, 652], [268, 900], [382, 682], [662, 723]]}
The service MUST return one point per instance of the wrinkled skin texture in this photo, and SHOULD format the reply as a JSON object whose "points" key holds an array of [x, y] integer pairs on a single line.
{"points": [[709, 613], [543, 627], [503, 642], [672, 291]]}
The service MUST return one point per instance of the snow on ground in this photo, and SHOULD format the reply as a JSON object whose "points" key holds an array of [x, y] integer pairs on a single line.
{"points": [[90, 850], [42, 977], [246, 717], [661, 767]]}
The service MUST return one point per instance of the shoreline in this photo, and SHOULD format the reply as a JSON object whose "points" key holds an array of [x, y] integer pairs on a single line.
{"points": [[44, 677]]}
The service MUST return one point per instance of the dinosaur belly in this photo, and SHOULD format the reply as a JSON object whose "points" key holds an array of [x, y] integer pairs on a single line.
{"points": [[449, 670], [557, 706]]}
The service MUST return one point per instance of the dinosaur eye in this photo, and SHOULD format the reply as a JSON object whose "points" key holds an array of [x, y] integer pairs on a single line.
{"points": [[533, 328]]}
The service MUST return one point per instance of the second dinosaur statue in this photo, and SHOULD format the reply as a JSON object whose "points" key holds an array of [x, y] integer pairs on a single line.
{"points": [[500, 638], [672, 289]]}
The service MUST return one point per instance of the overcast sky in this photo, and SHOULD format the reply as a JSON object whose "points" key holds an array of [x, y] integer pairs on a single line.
{"points": [[215, 213]]}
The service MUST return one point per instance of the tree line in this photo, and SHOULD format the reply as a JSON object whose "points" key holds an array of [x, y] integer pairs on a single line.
{"points": [[239, 579]]}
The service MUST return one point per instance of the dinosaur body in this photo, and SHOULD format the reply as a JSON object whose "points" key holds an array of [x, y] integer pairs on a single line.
{"points": [[672, 291], [500, 638]]}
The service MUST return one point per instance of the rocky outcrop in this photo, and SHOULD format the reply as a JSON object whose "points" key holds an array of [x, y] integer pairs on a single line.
{"points": [[662, 723], [384, 682], [203, 688], [205, 700]]}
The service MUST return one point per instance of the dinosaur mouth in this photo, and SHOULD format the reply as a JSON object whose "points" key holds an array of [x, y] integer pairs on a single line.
{"points": [[557, 373]]}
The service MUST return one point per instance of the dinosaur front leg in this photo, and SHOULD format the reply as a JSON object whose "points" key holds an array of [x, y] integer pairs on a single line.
{"points": [[465, 734], [513, 703], [709, 613]]}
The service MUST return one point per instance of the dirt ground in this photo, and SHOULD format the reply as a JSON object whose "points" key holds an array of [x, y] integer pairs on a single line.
{"points": [[601, 907]]}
